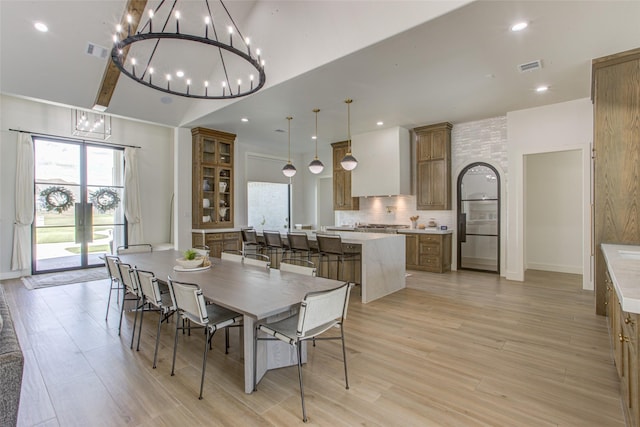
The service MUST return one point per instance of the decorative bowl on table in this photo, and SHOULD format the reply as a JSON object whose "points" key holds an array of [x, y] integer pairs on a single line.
{"points": [[190, 263]]}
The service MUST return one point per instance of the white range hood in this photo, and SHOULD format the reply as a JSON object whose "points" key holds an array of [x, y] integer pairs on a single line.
{"points": [[384, 163]]}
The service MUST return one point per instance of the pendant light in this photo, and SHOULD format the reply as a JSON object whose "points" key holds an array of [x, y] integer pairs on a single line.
{"points": [[316, 166], [349, 162], [289, 170]]}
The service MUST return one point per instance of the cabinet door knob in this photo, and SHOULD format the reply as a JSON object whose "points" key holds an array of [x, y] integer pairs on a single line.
{"points": [[628, 320]]}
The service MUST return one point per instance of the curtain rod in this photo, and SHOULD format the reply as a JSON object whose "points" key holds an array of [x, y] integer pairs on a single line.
{"points": [[74, 139]]}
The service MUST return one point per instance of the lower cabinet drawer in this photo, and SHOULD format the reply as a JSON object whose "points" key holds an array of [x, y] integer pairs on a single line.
{"points": [[429, 249], [430, 261]]}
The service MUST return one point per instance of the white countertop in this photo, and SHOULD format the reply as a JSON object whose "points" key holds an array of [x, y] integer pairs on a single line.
{"points": [[623, 262], [215, 230], [425, 231]]}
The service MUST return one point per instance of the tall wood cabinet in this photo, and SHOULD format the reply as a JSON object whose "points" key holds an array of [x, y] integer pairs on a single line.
{"points": [[212, 188], [342, 200], [433, 167], [616, 105]]}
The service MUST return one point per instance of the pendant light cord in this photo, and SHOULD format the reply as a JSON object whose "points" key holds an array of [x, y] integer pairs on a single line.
{"points": [[289, 120], [348, 102], [316, 110]]}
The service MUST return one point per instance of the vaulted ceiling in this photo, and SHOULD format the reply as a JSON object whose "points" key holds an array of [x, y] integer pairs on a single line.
{"points": [[406, 63]]}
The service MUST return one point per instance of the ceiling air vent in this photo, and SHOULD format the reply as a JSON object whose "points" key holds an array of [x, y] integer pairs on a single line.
{"points": [[530, 66], [97, 51]]}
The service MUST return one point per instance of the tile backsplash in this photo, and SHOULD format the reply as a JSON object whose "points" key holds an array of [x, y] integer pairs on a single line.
{"points": [[392, 210]]}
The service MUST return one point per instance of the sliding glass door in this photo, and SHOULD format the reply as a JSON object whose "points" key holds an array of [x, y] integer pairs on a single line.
{"points": [[79, 213]]}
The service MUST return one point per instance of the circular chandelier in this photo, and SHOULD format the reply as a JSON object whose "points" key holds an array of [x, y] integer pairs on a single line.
{"points": [[187, 58]]}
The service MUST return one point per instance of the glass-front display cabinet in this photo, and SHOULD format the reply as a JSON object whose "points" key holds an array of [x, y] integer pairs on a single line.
{"points": [[212, 178]]}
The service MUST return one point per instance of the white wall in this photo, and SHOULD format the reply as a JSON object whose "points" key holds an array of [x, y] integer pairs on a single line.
{"points": [[481, 141], [553, 202], [551, 128], [254, 163], [155, 165]]}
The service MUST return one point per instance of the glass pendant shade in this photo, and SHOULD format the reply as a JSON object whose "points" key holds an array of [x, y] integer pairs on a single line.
{"points": [[349, 162], [316, 166], [289, 170]]}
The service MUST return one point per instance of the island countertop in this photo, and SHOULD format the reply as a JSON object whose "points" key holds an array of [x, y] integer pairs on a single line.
{"points": [[623, 263], [382, 260]]}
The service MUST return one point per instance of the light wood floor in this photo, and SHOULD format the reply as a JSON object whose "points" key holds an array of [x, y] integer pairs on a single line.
{"points": [[460, 349]]}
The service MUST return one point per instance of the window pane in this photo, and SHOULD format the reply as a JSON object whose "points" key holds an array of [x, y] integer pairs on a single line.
{"points": [[268, 205]]}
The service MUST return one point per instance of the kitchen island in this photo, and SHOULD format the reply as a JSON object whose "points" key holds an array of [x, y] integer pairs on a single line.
{"points": [[380, 268], [382, 261]]}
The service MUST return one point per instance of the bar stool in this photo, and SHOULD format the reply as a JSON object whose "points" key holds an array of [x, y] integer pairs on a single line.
{"points": [[274, 244], [331, 245], [299, 243], [250, 240]]}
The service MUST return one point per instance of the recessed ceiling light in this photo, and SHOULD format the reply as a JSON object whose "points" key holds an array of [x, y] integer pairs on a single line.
{"points": [[314, 137], [244, 119], [40, 26], [542, 88], [180, 73], [379, 123], [519, 26]]}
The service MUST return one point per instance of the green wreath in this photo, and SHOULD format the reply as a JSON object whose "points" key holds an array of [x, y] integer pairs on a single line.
{"points": [[105, 199], [57, 198]]}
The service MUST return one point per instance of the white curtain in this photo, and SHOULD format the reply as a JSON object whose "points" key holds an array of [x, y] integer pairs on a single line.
{"points": [[132, 208], [21, 257]]}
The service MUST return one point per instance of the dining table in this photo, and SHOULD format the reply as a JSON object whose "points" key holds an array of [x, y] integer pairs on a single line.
{"points": [[258, 293]]}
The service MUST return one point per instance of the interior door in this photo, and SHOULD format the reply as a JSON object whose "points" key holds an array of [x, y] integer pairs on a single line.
{"points": [[479, 218], [79, 214]]}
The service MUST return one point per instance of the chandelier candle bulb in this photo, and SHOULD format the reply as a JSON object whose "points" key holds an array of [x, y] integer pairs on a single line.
{"points": [[177, 22]]}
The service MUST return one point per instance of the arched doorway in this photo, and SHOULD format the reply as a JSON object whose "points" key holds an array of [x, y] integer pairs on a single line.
{"points": [[479, 218]]}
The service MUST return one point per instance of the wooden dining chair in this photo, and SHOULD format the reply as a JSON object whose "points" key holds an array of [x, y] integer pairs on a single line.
{"points": [[319, 312], [191, 305]]}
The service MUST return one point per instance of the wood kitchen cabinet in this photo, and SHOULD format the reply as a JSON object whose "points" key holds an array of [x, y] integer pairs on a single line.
{"points": [[624, 341], [433, 167], [212, 187], [428, 252], [411, 251], [616, 108], [342, 200], [218, 241]]}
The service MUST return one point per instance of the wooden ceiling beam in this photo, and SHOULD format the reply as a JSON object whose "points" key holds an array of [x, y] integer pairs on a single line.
{"points": [[135, 8]]}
